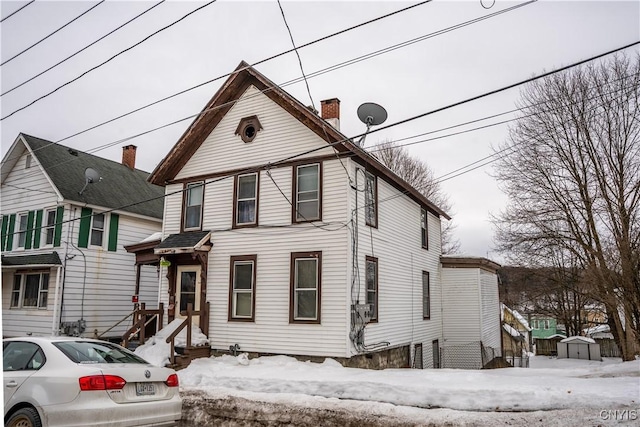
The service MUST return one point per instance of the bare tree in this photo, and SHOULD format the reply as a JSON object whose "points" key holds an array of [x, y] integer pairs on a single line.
{"points": [[571, 170], [420, 176]]}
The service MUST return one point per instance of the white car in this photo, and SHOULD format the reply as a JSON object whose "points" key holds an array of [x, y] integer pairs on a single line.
{"points": [[65, 381]]}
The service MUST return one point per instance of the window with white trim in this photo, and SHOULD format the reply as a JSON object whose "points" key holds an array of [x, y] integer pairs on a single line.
{"points": [[97, 229], [30, 290], [50, 227], [305, 287], [22, 230]]}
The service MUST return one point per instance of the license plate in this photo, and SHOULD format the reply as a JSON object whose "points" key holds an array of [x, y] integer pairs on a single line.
{"points": [[145, 389]]}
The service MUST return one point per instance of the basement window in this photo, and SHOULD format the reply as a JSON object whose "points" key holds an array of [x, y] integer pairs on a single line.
{"points": [[248, 128]]}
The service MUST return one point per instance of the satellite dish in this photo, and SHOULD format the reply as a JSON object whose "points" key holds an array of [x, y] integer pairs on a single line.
{"points": [[372, 114], [90, 176]]}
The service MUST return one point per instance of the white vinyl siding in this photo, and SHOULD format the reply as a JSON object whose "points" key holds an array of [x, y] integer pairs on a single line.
{"points": [[461, 305], [396, 242], [282, 135], [273, 242], [490, 309]]}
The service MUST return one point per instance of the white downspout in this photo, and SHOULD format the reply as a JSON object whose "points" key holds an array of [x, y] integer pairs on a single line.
{"points": [[54, 324]]}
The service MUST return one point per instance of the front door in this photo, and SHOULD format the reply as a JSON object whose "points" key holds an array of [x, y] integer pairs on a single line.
{"points": [[188, 288]]}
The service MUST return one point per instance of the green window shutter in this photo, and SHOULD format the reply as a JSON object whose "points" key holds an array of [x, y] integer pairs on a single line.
{"points": [[12, 228], [37, 230], [113, 232], [29, 235], [57, 231], [5, 225], [85, 228]]}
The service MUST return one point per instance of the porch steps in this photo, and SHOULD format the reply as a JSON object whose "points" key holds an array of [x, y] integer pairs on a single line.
{"points": [[187, 354]]}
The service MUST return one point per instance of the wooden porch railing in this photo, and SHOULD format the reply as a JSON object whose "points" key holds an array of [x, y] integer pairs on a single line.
{"points": [[187, 323], [140, 322]]}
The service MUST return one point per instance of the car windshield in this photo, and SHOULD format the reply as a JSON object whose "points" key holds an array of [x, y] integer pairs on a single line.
{"points": [[97, 352]]}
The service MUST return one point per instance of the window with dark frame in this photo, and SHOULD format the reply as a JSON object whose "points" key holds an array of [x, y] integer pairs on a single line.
{"points": [[246, 200], [50, 227], [97, 229], [307, 193], [305, 287], [193, 206], [242, 288], [426, 296], [371, 200], [30, 290], [424, 230], [372, 286]]}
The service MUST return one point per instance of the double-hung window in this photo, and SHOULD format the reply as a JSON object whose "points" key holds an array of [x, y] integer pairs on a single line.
{"points": [[424, 230], [193, 206], [426, 296], [50, 227], [372, 285], [242, 292], [307, 193], [246, 200], [305, 297], [97, 229], [22, 230], [30, 290], [371, 200]]}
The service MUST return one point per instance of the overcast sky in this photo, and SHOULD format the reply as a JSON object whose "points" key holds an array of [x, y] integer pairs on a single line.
{"points": [[408, 81]]}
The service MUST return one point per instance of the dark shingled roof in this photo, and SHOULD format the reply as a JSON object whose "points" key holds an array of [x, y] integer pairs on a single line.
{"points": [[121, 187], [182, 240], [36, 259]]}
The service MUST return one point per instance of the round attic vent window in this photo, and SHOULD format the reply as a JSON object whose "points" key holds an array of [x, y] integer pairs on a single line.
{"points": [[249, 132]]}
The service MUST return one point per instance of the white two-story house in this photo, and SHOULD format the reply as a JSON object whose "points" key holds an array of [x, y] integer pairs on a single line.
{"points": [[299, 241], [64, 266]]}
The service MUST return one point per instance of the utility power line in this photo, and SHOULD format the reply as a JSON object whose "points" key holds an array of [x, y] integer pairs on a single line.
{"points": [[16, 11], [50, 34], [269, 165], [83, 49], [108, 60]]}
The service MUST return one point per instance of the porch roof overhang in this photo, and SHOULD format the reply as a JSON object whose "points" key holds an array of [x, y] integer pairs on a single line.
{"points": [[184, 243], [46, 260]]}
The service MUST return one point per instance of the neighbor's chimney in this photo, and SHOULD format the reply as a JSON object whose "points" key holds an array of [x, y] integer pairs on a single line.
{"points": [[331, 111], [129, 156]]}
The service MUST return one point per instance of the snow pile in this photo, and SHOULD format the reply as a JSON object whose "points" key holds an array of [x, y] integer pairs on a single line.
{"points": [[566, 385], [157, 351]]}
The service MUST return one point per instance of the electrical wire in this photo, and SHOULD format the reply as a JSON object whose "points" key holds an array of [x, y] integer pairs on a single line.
{"points": [[16, 11], [54, 32], [182, 92], [362, 152], [83, 49], [109, 60], [296, 80]]}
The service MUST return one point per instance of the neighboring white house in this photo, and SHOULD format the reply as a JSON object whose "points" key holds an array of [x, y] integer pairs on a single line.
{"points": [[301, 242], [64, 267]]}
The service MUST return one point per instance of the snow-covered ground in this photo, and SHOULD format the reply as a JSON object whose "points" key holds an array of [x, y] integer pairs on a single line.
{"points": [[551, 392]]}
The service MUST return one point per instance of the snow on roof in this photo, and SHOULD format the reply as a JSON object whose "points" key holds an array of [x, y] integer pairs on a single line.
{"points": [[512, 331], [517, 316], [597, 329], [579, 339], [552, 336], [155, 236]]}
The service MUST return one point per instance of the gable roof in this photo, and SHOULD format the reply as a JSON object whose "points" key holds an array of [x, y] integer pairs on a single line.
{"points": [[222, 101], [121, 188]]}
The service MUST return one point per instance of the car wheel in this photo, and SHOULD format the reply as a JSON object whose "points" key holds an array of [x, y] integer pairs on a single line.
{"points": [[25, 417]]}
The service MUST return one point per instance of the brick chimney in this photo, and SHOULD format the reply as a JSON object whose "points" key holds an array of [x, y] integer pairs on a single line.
{"points": [[331, 111], [129, 156]]}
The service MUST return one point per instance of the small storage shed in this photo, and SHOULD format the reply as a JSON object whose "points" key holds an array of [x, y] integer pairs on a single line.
{"points": [[579, 348]]}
